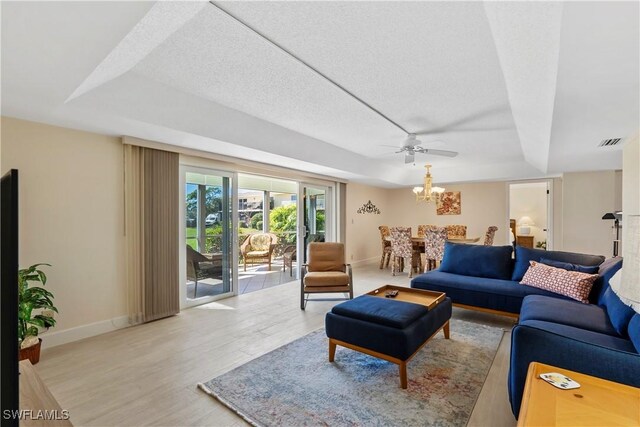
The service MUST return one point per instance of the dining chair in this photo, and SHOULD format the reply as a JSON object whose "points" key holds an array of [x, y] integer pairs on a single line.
{"points": [[456, 231], [434, 246], [489, 235], [402, 248], [386, 246], [422, 229]]}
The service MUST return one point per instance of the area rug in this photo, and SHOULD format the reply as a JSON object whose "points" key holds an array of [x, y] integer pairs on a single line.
{"points": [[295, 385]]}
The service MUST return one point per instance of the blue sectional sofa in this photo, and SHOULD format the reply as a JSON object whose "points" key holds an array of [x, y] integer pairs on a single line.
{"points": [[600, 339], [487, 278]]}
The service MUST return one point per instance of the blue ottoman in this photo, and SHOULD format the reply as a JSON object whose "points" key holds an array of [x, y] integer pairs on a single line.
{"points": [[385, 328]]}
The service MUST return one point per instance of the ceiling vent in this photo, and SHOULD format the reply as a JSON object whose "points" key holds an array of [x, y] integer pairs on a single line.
{"points": [[609, 142]]}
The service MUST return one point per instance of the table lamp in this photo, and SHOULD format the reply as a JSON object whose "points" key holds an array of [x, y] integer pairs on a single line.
{"points": [[525, 225]]}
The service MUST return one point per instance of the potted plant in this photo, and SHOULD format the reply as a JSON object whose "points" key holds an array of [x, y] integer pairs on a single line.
{"points": [[30, 322]]}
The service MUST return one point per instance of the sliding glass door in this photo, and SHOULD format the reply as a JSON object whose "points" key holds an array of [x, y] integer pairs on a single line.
{"points": [[209, 235], [316, 215]]}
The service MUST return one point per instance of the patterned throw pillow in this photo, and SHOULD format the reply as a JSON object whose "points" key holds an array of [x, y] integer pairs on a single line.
{"points": [[573, 284]]}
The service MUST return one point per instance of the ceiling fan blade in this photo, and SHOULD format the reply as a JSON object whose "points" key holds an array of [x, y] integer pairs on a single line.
{"points": [[409, 158], [453, 130], [445, 153], [390, 146]]}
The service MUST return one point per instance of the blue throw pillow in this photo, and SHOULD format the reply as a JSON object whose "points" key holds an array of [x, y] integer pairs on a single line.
{"points": [[634, 331], [524, 255], [619, 313], [493, 262], [589, 269]]}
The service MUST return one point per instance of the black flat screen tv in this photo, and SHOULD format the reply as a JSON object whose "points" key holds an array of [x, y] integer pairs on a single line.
{"points": [[9, 350]]}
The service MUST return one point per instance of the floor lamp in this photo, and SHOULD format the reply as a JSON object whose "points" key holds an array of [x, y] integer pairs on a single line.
{"points": [[616, 225]]}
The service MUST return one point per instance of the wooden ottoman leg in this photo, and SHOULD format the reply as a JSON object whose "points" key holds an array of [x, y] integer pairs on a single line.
{"points": [[445, 329], [332, 350], [403, 374]]}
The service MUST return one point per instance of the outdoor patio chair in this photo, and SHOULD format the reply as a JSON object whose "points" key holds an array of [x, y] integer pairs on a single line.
{"points": [[258, 247], [200, 267], [289, 255]]}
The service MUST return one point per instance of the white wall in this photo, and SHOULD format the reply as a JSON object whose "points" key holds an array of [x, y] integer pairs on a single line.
{"points": [[483, 205], [71, 216], [362, 235], [530, 199], [587, 196]]}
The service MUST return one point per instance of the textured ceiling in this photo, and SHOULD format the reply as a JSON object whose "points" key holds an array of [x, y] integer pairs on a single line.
{"points": [[521, 90], [428, 66]]}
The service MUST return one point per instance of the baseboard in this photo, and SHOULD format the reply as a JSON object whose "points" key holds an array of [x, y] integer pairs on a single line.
{"points": [[54, 338], [365, 261]]}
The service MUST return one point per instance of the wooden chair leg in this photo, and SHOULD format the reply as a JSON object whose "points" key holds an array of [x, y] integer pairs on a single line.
{"points": [[446, 331], [411, 266], [382, 260]]}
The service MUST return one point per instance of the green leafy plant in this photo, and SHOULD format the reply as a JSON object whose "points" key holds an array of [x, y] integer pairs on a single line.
{"points": [[32, 298]]}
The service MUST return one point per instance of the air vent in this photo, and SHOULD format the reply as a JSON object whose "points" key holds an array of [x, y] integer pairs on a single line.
{"points": [[609, 142]]}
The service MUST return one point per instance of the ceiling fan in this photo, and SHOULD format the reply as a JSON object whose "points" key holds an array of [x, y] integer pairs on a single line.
{"points": [[412, 146]]}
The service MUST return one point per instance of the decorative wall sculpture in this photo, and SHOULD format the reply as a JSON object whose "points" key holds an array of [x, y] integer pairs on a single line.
{"points": [[449, 203], [369, 208]]}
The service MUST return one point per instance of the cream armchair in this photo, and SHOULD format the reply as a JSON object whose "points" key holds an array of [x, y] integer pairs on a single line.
{"points": [[325, 272], [258, 247]]}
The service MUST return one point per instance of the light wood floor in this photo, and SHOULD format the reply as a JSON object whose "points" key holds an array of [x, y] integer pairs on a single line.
{"points": [[147, 375]]}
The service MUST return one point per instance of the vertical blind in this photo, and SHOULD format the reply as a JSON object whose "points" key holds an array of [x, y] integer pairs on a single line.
{"points": [[151, 233]]}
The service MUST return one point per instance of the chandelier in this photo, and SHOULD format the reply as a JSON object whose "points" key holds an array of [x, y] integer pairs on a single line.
{"points": [[427, 193]]}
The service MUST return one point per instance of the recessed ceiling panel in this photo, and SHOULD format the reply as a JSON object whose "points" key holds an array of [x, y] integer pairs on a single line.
{"points": [[431, 67]]}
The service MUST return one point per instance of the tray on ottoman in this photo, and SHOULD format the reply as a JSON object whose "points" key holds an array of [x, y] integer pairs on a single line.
{"points": [[393, 329], [418, 296]]}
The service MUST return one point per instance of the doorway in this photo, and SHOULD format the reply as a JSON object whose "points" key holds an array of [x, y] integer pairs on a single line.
{"points": [[316, 215], [530, 214]]}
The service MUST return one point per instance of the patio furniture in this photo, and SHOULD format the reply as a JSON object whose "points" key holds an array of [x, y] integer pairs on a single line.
{"points": [[325, 272], [200, 267], [488, 237], [258, 247], [289, 255], [386, 246], [401, 248], [434, 242]]}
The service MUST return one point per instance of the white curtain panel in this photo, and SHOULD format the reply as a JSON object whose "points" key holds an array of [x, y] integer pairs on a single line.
{"points": [[628, 288]]}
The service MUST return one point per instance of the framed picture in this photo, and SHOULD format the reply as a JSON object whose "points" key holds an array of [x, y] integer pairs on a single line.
{"points": [[449, 203]]}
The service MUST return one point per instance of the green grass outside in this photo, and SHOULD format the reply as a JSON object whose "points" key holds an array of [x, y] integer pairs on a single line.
{"points": [[192, 234]]}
